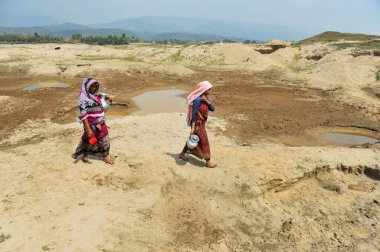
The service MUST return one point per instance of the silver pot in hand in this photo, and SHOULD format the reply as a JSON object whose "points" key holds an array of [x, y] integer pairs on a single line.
{"points": [[106, 105], [192, 142]]}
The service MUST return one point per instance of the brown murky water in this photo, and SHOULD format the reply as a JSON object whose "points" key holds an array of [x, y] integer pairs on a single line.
{"points": [[162, 101], [48, 84], [347, 139]]}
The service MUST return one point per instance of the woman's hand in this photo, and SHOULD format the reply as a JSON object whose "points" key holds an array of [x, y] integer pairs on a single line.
{"points": [[191, 132], [204, 98], [109, 99], [192, 128], [88, 128], [89, 132]]}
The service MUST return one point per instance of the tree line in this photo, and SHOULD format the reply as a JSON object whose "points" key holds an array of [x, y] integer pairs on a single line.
{"points": [[75, 38], [98, 40], [35, 38]]}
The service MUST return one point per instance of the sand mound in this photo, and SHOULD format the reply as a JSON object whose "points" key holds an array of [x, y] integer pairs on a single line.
{"points": [[197, 55], [278, 42], [171, 69], [235, 53], [243, 56], [284, 56], [44, 69], [341, 75]]}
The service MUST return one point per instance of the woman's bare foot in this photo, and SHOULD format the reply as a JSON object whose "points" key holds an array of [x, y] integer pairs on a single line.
{"points": [[85, 158], [182, 156], [210, 165], [107, 160]]}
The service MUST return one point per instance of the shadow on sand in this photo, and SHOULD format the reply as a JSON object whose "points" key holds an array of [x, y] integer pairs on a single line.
{"points": [[190, 159], [90, 157]]}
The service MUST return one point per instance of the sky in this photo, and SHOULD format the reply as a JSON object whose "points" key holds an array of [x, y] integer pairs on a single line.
{"points": [[359, 16]]}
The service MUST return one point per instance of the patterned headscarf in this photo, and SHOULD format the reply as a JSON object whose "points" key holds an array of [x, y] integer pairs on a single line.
{"points": [[89, 104]]}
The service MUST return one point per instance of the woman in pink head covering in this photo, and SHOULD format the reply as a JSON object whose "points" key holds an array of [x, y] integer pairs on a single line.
{"points": [[95, 139], [198, 107]]}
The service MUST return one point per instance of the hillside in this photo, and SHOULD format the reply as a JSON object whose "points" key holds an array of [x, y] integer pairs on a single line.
{"points": [[331, 36], [68, 29]]}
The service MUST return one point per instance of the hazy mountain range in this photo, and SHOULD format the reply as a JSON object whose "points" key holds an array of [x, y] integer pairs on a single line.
{"points": [[158, 28], [242, 30]]}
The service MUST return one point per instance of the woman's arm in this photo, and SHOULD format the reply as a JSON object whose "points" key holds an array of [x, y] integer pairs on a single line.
{"points": [[87, 128], [211, 107], [192, 128], [196, 104]]}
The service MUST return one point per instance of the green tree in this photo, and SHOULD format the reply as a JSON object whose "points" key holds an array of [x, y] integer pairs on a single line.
{"points": [[76, 37]]}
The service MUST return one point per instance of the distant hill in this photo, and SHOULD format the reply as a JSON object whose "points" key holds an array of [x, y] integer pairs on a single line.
{"points": [[331, 36], [25, 30], [68, 29], [65, 30], [227, 29], [157, 28]]}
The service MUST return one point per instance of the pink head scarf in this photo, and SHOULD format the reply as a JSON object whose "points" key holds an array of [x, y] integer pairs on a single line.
{"points": [[199, 90]]}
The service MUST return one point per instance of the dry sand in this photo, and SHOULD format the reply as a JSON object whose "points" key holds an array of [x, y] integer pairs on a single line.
{"points": [[149, 200], [264, 195]]}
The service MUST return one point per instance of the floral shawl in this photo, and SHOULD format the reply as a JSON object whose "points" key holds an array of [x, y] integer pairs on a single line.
{"points": [[89, 104]]}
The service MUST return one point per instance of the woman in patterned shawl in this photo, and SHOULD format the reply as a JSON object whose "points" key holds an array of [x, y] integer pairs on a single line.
{"points": [[93, 119], [199, 106]]}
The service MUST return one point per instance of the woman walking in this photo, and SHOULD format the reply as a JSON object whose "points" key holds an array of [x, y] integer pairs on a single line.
{"points": [[95, 139], [199, 106]]}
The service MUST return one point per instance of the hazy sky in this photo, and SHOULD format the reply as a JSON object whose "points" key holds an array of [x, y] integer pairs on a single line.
{"points": [[342, 15]]}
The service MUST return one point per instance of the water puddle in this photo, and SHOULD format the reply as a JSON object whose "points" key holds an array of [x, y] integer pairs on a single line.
{"points": [[162, 101], [347, 139], [47, 84]]}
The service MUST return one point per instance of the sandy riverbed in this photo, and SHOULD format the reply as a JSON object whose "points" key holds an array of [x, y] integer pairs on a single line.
{"points": [[277, 187]]}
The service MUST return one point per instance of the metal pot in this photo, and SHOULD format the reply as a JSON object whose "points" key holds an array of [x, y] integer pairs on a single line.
{"points": [[192, 142], [106, 105]]}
